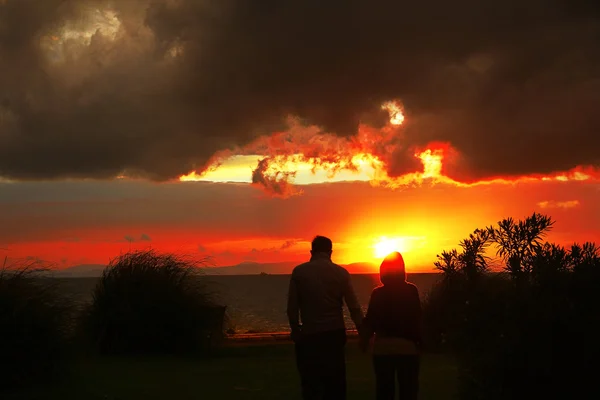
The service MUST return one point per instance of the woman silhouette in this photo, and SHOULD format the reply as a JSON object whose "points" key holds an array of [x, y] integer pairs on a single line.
{"points": [[394, 317]]}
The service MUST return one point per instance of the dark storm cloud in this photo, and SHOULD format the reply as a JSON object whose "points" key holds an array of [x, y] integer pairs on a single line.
{"points": [[134, 239], [514, 86]]}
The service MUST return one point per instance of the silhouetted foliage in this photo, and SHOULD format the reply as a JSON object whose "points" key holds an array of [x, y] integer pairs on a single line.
{"points": [[527, 332], [518, 241], [33, 326], [449, 263], [471, 261], [148, 302]]}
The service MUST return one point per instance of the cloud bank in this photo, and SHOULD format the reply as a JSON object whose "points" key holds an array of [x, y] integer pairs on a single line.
{"points": [[158, 88]]}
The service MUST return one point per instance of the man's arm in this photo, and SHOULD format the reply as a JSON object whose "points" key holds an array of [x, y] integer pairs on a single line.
{"points": [[293, 306], [352, 302], [366, 332]]}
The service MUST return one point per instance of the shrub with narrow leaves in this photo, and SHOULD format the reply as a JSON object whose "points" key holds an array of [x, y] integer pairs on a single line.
{"points": [[528, 331], [147, 302]]}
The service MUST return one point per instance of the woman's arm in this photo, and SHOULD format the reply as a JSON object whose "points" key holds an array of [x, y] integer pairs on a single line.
{"points": [[368, 326], [418, 317]]}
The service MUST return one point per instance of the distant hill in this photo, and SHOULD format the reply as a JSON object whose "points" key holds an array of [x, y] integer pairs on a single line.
{"points": [[245, 268], [362, 268], [253, 268], [80, 271]]}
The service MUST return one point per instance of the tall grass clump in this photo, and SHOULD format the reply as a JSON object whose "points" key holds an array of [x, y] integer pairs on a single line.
{"points": [[147, 302], [34, 326]]}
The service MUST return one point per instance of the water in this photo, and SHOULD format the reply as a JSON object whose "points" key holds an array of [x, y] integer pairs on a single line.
{"points": [[256, 303]]}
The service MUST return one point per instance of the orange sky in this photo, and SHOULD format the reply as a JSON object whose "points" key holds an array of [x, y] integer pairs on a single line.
{"points": [[90, 222]]}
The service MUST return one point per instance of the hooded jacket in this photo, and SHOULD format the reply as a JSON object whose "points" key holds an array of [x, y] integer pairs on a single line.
{"points": [[394, 310]]}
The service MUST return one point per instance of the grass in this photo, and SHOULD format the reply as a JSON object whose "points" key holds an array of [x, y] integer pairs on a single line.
{"points": [[244, 372], [34, 324], [149, 302]]}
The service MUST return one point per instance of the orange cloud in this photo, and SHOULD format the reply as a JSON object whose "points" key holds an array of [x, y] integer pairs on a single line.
{"points": [[558, 204], [379, 156], [276, 181]]}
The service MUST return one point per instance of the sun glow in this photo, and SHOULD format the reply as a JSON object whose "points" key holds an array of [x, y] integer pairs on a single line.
{"points": [[395, 112], [386, 246], [361, 167], [432, 163]]}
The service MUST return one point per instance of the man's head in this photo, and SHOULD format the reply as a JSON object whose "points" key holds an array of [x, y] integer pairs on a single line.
{"points": [[321, 244]]}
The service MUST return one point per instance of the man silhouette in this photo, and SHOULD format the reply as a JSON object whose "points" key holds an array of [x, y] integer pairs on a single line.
{"points": [[316, 297]]}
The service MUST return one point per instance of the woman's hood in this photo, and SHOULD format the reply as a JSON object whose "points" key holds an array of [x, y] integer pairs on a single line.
{"points": [[392, 269]]}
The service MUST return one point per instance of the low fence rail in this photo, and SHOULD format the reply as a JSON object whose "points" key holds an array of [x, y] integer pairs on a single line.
{"points": [[266, 337]]}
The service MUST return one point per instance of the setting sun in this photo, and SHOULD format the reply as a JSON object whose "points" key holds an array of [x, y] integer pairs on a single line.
{"points": [[385, 246]]}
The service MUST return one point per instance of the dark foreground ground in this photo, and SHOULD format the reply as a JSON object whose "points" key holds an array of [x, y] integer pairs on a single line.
{"points": [[264, 371]]}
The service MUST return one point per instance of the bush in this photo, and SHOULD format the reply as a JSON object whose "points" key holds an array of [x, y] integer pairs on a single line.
{"points": [[510, 341], [33, 327], [147, 302], [456, 312], [524, 333]]}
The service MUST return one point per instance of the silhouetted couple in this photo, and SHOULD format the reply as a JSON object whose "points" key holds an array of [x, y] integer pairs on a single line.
{"points": [[316, 297]]}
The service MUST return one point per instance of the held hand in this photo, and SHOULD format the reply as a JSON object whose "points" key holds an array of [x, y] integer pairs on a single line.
{"points": [[363, 339], [363, 345], [296, 335]]}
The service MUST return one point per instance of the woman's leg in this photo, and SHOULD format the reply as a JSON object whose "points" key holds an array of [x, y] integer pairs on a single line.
{"points": [[385, 372], [408, 377]]}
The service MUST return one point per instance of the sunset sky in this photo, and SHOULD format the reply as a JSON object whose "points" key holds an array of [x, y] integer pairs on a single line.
{"points": [[240, 130]]}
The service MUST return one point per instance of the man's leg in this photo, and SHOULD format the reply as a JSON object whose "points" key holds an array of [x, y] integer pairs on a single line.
{"points": [[307, 368], [408, 376], [334, 367], [384, 367]]}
